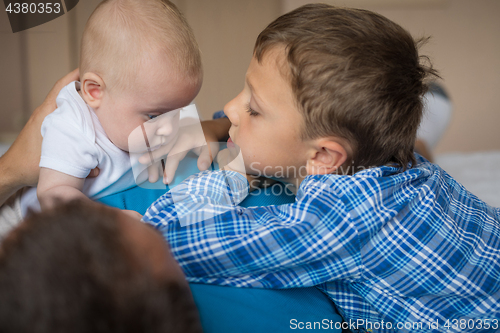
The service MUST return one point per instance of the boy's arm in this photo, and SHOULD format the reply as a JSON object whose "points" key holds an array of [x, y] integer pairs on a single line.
{"points": [[302, 244], [55, 186]]}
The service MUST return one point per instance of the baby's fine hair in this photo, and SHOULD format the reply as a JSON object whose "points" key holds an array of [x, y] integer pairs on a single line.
{"points": [[355, 75], [122, 35]]}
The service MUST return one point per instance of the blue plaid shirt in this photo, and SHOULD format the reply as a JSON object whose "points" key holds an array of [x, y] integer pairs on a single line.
{"points": [[410, 251]]}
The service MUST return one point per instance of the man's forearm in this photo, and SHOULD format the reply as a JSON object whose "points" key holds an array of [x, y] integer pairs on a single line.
{"points": [[19, 165], [8, 184]]}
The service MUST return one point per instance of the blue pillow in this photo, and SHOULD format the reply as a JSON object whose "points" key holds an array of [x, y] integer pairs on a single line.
{"points": [[231, 309]]}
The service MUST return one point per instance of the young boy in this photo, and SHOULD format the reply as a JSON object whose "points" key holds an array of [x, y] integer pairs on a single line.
{"points": [[331, 104], [139, 60]]}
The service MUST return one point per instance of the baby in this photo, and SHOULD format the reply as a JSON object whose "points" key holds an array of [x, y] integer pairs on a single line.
{"points": [[139, 60]]}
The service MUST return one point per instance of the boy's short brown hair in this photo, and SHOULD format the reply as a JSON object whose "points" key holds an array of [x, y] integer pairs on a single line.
{"points": [[355, 75], [122, 35]]}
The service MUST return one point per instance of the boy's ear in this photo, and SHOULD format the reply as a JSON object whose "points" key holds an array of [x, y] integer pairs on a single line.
{"points": [[327, 157], [92, 88]]}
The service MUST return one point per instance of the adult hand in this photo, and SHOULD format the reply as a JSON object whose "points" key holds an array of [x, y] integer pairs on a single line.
{"points": [[19, 165]]}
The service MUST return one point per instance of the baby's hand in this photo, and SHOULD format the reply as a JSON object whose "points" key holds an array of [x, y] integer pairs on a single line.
{"points": [[189, 138], [94, 173]]}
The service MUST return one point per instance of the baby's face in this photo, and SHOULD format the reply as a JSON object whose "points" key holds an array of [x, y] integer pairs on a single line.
{"points": [[152, 97], [159, 131]]}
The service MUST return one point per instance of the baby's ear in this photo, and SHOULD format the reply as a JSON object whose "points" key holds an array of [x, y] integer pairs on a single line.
{"points": [[327, 156], [92, 88]]}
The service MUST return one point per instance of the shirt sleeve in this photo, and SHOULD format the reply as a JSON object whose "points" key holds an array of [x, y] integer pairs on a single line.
{"points": [[68, 145], [302, 244]]}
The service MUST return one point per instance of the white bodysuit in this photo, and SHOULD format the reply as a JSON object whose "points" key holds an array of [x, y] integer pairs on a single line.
{"points": [[74, 143]]}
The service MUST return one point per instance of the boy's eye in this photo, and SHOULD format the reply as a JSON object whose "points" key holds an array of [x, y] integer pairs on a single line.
{"points": [[251, 111], [151, 116]]}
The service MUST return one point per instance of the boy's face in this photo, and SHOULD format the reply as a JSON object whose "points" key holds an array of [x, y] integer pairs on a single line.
{"points": [[266, 123], [151, 95]]}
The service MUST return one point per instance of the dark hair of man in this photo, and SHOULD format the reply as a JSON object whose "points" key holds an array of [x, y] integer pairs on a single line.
{"points": [[355, 75], [69, 270]]}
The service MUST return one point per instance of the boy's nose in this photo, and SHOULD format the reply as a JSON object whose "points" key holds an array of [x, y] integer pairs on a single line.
{"points": [[231, 111]]}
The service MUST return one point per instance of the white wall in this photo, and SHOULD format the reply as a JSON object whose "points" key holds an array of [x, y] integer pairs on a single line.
{"points": [[465, 48]]}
